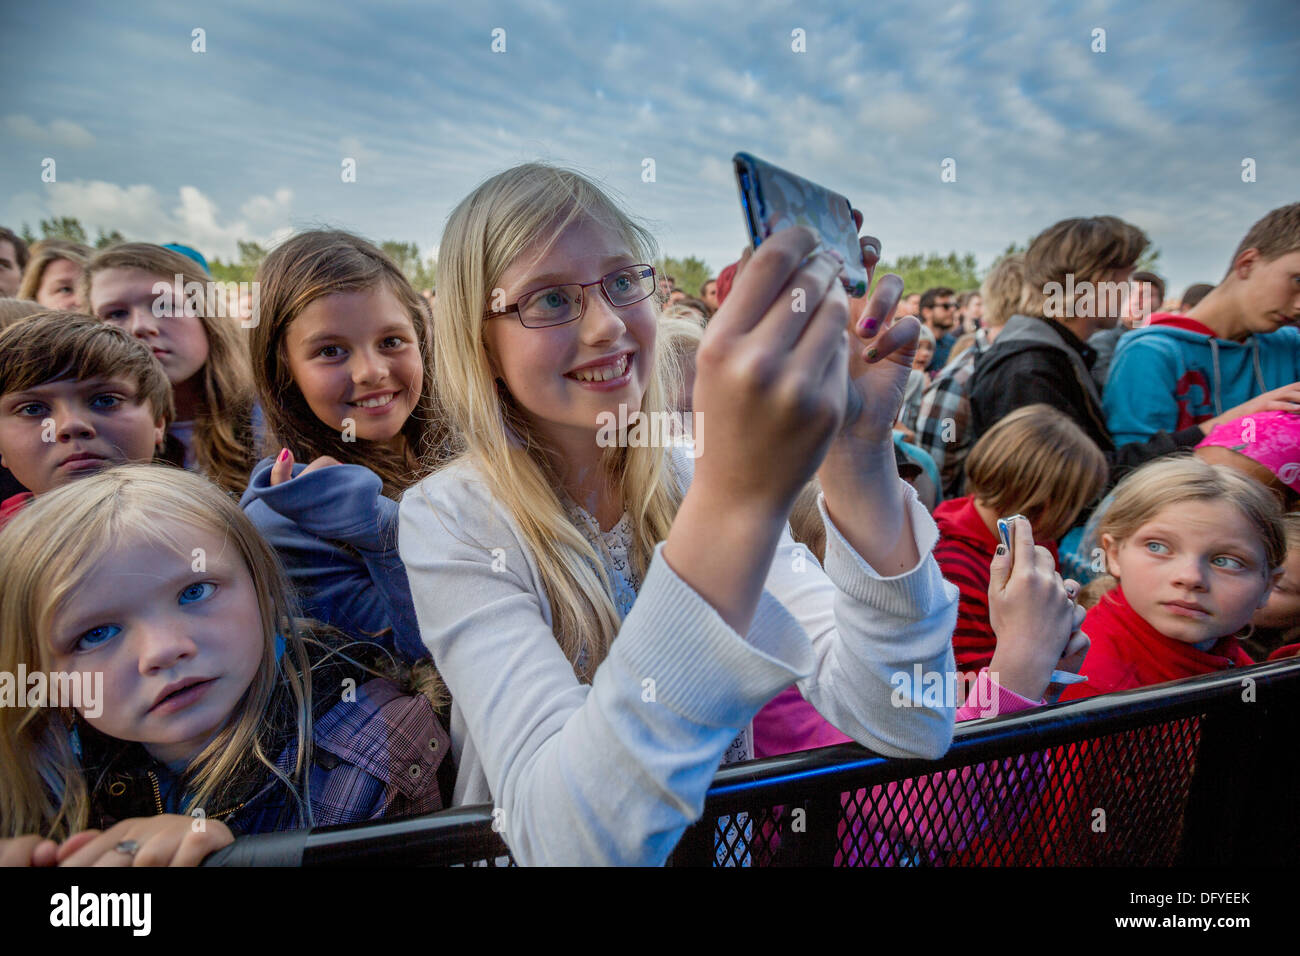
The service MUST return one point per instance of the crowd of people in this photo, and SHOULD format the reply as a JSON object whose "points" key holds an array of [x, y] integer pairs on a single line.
{"points": [[351, 550]]}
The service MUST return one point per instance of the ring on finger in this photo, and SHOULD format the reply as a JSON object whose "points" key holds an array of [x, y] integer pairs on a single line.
{"points": [[129, 847]]}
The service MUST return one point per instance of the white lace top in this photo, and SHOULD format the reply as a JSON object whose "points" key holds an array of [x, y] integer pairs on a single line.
{"points": [[613, 547]]}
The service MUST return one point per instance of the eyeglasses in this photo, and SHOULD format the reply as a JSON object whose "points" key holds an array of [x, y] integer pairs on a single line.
{"points": [[945, 305], [560, 304]]}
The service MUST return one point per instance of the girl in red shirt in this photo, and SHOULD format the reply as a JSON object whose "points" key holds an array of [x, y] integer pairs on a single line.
{"points": [[1195, 550]]}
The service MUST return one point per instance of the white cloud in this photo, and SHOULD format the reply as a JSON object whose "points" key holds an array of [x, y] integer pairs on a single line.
{"points": [[140, 212], [59, 133]]}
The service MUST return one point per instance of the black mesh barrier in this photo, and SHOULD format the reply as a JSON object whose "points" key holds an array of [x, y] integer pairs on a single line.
{"points": [[1195, 772]]}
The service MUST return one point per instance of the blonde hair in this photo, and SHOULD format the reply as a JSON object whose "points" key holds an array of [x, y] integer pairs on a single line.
{"points": [[806, 525], [1036, 462], [486, 232], [45, 552], [45, 252], [223, 433], [677, 341], [15, 310], [1088, 249], [1178, 479], [1003, 289]]}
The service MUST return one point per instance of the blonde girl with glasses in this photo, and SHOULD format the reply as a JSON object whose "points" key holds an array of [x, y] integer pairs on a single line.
{"points": [[538, 544]]}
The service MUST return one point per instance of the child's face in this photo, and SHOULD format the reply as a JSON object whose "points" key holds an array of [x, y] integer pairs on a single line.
{"points": [[58, 288], [1196, 571], [354, 357], [924, 352], [1271, 294], [538, 364], [1282, 612], [125, 298], [63, 430], [178, 647]]}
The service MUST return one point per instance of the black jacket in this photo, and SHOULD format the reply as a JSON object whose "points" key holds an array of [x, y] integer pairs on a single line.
{"points": [[1040, 360]]}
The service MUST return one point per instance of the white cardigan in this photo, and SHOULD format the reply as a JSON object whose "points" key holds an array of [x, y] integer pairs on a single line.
{"points": [[613, 772]]}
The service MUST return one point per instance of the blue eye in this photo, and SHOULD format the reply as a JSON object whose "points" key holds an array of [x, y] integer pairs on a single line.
{"points": [[197, 592], [1235, 565], [1153, 545], [31, 410], [96, 636], [113, 401], [117, 315]]}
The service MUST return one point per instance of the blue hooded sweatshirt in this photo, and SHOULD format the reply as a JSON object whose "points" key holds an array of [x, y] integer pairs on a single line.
{"points": [[1176, 373], [337, 536]]}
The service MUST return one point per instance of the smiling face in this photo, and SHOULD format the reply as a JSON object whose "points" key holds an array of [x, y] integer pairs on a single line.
{"points": [[564, 376], [58, 288], [92, 424], [178, 648], [1194, 572], [125, 298], [354, 356], [1270, 294]]}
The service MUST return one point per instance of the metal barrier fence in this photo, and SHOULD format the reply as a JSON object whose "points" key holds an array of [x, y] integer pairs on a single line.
{"points": [[1196, 772]]}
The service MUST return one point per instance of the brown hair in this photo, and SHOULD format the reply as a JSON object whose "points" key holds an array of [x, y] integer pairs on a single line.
{"points": [[1153, 279], [54, 346], [1274, 236], [301, 270], [1176, 479], [12, 310], [1039, 463], [223, 432], [45, 252], [1088, 249], [20, 247]]}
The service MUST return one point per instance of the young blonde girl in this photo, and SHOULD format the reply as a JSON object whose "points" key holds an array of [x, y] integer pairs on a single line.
{"points": [[203, 352], [1194, 550], [344, 369], [536, 547], [152, 586], [53, 274]]}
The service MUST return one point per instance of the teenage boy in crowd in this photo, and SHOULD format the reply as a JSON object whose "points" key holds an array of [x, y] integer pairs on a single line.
{"points": [[1072, 271], [1236, 345]]}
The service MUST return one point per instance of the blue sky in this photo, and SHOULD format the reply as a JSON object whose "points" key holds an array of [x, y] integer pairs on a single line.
{"points": [[246, 139]]}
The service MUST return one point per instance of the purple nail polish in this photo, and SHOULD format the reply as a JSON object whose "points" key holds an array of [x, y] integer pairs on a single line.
{"points": [[869, 326]]}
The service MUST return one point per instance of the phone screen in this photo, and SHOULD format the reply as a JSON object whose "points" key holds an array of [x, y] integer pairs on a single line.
{"points": [[774, 199]]}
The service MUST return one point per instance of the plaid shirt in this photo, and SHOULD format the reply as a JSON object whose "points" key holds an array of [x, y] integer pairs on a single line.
{"points": [[377, 756], [946, 401]]}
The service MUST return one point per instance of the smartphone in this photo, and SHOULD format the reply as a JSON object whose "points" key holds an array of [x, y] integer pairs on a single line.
{"points": [[773, 199]]}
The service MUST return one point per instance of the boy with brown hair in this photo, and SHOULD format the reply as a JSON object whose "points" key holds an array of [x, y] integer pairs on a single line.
{"points": [[76, 396], [1235, 353], [1076, 279]]}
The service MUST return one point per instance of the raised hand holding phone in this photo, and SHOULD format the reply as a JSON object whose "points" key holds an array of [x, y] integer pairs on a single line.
{"points": [[1033, 614]]}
